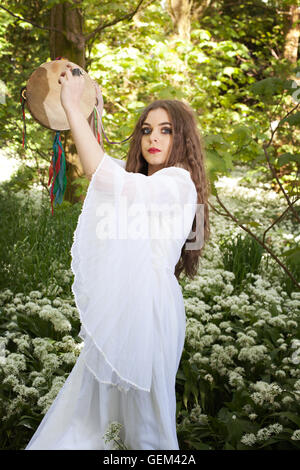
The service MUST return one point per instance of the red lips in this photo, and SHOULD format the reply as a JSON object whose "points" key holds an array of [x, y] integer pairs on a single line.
{"points": [[153, 150]]}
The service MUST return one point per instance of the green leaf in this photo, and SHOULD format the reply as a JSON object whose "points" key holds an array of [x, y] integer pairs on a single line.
{"points": [[293, 119], [267, 88], [228, 446], [288, 157], [215, 163], [291, 416], [241, 135], [294, 252], [250, 222], [28, 422]]}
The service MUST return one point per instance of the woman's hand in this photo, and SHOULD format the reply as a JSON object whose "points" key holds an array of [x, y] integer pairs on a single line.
{"points": [[71, 89]]}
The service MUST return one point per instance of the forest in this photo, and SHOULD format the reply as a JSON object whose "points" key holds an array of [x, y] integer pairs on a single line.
{"points": [[237, 64]]}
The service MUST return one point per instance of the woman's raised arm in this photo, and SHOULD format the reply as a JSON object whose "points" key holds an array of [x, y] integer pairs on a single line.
{"points": [[89, 151]]}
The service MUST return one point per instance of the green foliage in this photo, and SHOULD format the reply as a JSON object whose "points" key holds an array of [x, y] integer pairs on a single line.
{"points": [[293, 120], [268, 88], [32, 240], [42, 346], [292, 259], [235, 340], [241, 256], [237, 87], [227, 60], [234, 362]]}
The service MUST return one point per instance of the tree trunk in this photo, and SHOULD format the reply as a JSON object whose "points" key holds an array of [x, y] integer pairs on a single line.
{"points": [[180, 12], [199, 8], [69, 44], [292, 36]]}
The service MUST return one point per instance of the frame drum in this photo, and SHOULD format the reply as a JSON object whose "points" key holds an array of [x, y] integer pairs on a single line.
{"points": [[43, 95]]}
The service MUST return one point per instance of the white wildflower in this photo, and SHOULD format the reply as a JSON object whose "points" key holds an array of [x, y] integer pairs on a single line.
{"points": [[46, 401], [15, 363], [248, 439], [203, 420], [26, 392], [209, 378], [247, 408], [35, 294], [265, 433], [225, 339], [221, 357], [42, 346], [51, 362], [244, 340], [265, 393], [297, 385], [207, 340], [39, 381], [253, 354], [44, 301], [280, 374], [58, 320], [212, 329], [31, 308], [113, 434], [195, 413], [296, 435], [251, 332], [236, 380], [23, 342], [279, 321], [68, 358], [197, 357], [287, 400], [225, 324], [10, 380]]}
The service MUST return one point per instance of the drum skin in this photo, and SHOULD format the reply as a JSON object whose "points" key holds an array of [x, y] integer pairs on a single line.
{"points": [[43, 95]]}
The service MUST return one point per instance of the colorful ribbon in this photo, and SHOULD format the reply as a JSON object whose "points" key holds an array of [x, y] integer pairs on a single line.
{"points": [[57, 172]]}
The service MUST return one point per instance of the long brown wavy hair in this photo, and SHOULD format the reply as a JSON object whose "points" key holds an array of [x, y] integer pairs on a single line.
{"points": [[186, 151]]}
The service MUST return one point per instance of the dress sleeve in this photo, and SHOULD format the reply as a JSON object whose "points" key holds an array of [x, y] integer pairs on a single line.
{"points": [[168, 185], [114, 283]]}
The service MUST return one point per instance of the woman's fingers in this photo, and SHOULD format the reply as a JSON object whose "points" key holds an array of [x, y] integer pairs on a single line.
{"points": [[67, 75], [62, 77], [69, 70]]}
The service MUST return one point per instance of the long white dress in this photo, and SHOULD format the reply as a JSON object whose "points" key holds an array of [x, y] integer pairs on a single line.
{"points": [[126, 245]]}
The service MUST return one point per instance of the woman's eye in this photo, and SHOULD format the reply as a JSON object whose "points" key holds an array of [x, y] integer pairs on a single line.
{"points": [[164, 130]]}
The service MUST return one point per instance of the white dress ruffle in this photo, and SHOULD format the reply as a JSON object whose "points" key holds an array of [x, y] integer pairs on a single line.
{"points": [[126, 245]]}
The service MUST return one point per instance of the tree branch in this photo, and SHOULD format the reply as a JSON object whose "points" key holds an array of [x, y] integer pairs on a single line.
{"points": [[128, 16], [265, 146], [20, 18], [258, 241], [278, 219]]}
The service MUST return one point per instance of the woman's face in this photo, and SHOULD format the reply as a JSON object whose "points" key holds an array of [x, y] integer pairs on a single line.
{"points": [[156, 139]]}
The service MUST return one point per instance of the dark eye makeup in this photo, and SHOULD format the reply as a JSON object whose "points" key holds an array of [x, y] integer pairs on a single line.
{"points": [[164, 130]]}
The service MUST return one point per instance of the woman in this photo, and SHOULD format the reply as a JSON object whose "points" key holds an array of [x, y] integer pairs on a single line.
{"points": [[130, 246]]}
